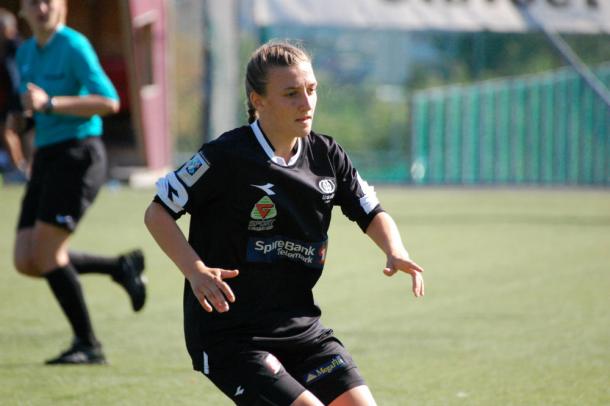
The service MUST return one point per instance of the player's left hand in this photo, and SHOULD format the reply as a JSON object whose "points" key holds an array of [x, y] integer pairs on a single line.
{"points": [[403, 263], [34, 99]]}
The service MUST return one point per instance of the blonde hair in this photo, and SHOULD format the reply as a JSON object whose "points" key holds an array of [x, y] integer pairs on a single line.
{"points": [[270, 55]]}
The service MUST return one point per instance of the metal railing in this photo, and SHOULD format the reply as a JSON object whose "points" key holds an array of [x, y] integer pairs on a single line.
{"points": [[549, 128]]}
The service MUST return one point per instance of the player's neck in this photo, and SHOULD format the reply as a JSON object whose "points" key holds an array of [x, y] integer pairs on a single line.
{"points": [[44, 36], [283, 146], [286, 151]]}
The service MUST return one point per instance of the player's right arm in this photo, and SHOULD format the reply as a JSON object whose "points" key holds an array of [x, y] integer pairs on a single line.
{"points": [[183, 191], [207, 283]]}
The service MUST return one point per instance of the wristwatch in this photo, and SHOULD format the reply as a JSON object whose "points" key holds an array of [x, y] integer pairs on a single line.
{"points": [[49, 106]]}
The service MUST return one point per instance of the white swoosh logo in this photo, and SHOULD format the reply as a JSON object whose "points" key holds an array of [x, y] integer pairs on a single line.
{"points": [[266, 188]]}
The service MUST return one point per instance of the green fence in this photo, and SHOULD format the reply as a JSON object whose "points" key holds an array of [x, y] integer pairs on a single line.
{"points": [[543, 129]]}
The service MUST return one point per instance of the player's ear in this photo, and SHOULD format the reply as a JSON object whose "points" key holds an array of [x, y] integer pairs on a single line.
{"points": [[257, 100]]}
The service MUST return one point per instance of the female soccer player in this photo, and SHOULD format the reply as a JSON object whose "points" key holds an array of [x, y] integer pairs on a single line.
{"points": [[65, 90], [260, 200]]}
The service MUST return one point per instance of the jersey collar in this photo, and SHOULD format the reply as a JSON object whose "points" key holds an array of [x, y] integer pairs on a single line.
{"points": [[264, 143], [52, 37]]}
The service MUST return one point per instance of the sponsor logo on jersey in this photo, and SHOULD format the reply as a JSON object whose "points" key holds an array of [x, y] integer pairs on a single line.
{"points": [[266, 188], [263, 209], [193, 169], [278, 248], [263, 215], [261, 225], [337, 362], [328, 187], [239, 391]]}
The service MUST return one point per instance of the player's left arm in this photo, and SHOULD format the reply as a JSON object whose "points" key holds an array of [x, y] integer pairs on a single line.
{"points": [[384, 232]]}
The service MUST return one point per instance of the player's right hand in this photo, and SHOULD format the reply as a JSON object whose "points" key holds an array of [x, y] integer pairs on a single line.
{"points": [[210, 289], [34, 99]]}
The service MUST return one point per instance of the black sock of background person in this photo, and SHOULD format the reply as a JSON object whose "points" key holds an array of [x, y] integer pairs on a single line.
{"points": [[67, 290], [85, 263]]}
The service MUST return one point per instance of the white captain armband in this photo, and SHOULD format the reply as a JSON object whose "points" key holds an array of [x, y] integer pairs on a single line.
{"points": [[172, 192]]}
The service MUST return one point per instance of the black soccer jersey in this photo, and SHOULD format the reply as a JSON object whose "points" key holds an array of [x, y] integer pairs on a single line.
{"points": [[268, 218]]}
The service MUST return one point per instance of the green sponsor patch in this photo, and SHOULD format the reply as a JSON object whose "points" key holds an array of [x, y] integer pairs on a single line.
{"points": [[264, 209]]}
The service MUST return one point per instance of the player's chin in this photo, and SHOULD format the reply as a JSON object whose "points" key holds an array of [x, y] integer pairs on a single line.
{"points": [[303, 128]]}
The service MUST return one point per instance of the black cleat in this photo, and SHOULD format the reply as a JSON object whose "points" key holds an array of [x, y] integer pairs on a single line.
{"points": [[131, 279], [79, 354]]}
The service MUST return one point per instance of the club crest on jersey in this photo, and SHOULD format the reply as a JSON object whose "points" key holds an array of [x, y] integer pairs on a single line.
{"points": [[262, 215], [327, 187], [193, 169]]}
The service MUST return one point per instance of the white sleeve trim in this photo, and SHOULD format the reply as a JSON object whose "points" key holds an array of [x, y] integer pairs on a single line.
{"points": [[369, 201], [172, 192]]}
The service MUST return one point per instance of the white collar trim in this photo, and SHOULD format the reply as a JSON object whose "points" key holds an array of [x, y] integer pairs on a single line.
{"points": [[269, 150]]}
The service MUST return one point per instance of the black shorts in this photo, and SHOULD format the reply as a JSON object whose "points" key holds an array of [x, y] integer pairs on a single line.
{"points": [[277, 372], [65, 179]]}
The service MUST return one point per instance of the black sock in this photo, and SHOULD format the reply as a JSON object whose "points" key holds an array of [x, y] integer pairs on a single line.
{"points": [[67, 290], [85, 263]]}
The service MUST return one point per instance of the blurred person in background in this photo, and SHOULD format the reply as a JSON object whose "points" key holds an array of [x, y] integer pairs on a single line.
{"points": [[64, 89], [260, 199]]}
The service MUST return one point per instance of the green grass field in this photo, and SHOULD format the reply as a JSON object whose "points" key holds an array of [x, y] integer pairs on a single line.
{"points": [[517, 306]]}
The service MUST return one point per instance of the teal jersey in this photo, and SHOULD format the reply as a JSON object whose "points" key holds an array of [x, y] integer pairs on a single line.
{"points": [[66, 66]]}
